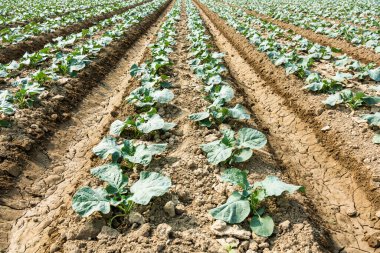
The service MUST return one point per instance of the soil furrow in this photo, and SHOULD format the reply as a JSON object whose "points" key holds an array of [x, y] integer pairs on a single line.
{"points": [[363, 54], [36, 124], [14, 52], [346, 140], [42, 168], [341, 199], [68, 155], [196, 186]]}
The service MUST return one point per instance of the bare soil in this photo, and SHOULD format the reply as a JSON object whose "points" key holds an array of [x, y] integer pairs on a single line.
{"points": [[320, 160], [339, 168]]}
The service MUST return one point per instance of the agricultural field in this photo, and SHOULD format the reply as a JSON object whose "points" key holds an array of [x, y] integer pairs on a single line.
{"points": [[190, 126]]}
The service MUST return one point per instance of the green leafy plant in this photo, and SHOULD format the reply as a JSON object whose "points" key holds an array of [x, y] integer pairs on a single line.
{"points": [[352, 99], [217, 114], [250, 201], [147, 97], [27, 93], [231, 149], [140, 124], [116, 194], [373, 120], [131, 152], [6, 105]]}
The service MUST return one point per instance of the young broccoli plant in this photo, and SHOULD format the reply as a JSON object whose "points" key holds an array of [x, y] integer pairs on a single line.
{"points": [[352, 99], [27, 93], [129, 151], [250, 200], [144, 97], [6, 105], [374, 121], [140, 124], [217, 114], [116, 194], [231, 149]]}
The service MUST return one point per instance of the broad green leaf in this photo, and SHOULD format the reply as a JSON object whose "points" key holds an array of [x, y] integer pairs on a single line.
{"points": [[235, 210], [275, 187], [228, 137], [87, 201], [315, 86], [199, 116], [144, 154], [163, 96], [107, 147], [333, 100], [243, 155], [236, 177], [262, 225], [251, 138], [226, 93], [216, 79], [371, 100], [239, 112], [168, 126], [217, 153], [150, 184], [152, 124], [341, 77], [113, 175], [13, 65], [374, 74], [376, 138], [117, 127], [372, 119]]}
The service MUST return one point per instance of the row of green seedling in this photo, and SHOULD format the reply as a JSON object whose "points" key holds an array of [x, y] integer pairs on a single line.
{"points": [[300, 65], [61, 63], [123, 148], [247, 203]]}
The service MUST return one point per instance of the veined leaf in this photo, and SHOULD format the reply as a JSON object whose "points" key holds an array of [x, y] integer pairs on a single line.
{"points": [[235, 210], [87, 201], [262, 225], [275, 187], [150, 184], [251, 138]]}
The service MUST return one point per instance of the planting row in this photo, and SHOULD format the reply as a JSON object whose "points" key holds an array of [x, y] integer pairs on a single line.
{"points": [[20, 12], [27, 78], [359, 13], [304, 58], [122, 149], [248, 203], [124, 153], [17, 34], [358, 36]]}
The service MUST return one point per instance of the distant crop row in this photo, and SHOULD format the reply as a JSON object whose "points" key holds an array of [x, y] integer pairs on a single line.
{"points": [[23, 11], [307, 17], [299, 56], [27, 77]]}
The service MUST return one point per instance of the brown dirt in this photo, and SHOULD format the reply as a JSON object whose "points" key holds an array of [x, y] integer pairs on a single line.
{"points": [[54, 167], [363, 54], [318, 160], [14, 52], [54, 227], [31, 126]]}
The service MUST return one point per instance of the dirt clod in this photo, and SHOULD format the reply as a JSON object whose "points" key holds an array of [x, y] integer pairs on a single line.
{"points": [[108, 233], [90, 229], [169, 208], [135, 217]]}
